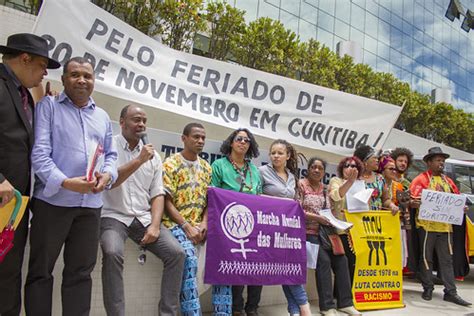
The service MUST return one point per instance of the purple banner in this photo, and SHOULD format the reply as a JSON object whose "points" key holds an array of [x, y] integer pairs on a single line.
{"points": [[254, 240]]}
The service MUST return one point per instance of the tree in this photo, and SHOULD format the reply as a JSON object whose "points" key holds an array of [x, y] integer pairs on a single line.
{"points": [[179, 21], [34, 5], [451, 126], [345, 77], [108, 5], [317, 64], [176, 21], [141, 14], [266, 45], [225, 23]]}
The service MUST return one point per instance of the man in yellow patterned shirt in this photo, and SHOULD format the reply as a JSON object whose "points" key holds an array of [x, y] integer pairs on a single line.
{"points": [[186, 177], [435, 236]]}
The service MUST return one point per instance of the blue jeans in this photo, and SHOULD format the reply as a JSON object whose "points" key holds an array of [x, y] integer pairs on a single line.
{"points": [[296, 296]]}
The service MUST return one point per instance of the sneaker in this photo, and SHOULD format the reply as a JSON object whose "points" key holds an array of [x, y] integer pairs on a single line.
{"points": [[331, 312], [427, 294], [456, 299], [350, 310], [251, 313]]}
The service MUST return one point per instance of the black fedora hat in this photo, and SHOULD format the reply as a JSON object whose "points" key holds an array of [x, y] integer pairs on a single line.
{"points": [[435, 151], [29, 43]]}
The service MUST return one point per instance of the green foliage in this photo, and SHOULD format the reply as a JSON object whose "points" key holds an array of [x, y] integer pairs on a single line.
{"points": [[175, 21], [440, 122], [266, 45], [317, 64], [34, 5], [225, 24], [179, 21], [107, 5], [141, 14]]}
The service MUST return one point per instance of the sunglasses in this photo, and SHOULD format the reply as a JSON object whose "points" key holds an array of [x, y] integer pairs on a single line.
{"points": [[350, 166], [391, 169], [240, 139]]}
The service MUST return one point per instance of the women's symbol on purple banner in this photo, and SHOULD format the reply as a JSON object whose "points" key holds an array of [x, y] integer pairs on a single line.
{"points": [[237, 223], [254, 240]]}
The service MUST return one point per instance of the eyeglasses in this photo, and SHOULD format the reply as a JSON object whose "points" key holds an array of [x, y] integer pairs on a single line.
{"points": [[350, 165], [240, 139]]}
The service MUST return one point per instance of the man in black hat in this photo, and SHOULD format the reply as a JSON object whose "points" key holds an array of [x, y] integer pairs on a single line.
{"points": [[435, 236], [25, 60]]}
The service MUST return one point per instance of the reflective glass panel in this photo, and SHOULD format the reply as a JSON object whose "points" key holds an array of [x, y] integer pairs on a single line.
{"points": [[268, 10], [357, 17], [326, 21], [291, 6]]}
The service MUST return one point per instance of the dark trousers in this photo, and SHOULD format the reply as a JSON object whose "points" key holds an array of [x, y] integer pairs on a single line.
{"points": [[10, 272], [324, 283], [349, 255], [253, 298], [439, 242], [413, 243], [77, 228]]}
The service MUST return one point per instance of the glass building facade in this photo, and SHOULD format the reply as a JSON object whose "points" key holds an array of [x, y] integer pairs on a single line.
{"points": [[412, 39]]}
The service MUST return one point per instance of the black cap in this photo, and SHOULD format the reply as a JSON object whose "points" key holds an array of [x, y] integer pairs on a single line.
{"points": [[29, 43]]}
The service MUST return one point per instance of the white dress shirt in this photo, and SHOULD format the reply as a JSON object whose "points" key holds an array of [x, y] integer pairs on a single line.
{"points": [[132, 198]]}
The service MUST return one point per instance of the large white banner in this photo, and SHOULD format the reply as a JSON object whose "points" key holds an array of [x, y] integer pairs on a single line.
{"points": [[132, 66], [167, 143]]}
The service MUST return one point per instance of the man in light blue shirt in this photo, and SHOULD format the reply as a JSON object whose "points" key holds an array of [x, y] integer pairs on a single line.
{"points": [[72, 135]]}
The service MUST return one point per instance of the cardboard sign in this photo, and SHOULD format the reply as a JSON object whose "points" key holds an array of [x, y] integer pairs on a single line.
{"points": [[442, 207]]}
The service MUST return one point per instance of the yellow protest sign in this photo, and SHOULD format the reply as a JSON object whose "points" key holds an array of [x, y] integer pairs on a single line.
{"points": [[7, 211], [378, 271], [470, 236]]}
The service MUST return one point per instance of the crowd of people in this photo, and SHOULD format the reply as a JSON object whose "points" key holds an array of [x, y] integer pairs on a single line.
{"points": [[161, 206]]}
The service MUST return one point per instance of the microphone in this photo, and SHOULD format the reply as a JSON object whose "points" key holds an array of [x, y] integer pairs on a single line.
{"points": [[144, 137]]}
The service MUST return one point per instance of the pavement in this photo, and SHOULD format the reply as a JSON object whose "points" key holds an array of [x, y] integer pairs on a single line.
{"points": [[414, 304]]}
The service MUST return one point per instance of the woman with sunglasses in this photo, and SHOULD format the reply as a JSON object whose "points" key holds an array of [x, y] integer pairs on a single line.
{"points": [[279, 179], [380, 198], [348, 172], [313, 197], [389, 171], [236, 172]]}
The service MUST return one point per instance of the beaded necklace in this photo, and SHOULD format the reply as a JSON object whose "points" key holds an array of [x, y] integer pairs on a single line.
{"points": [[242, 174]]}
